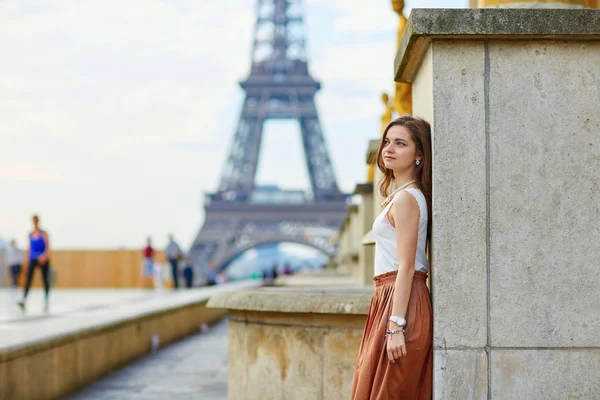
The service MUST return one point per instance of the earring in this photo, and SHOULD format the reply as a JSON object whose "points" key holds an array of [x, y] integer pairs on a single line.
{"points": [[418, 162]]}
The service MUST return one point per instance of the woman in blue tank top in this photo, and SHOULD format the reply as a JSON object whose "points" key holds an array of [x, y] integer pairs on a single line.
{"points": [[38, 256]]}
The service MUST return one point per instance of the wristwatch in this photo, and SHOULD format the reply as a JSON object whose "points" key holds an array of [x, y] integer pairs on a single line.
{"points": [[400, 321]]}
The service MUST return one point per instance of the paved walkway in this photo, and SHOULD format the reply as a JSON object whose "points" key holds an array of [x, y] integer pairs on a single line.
{"points": [[67, 302], [76, 310], [195, 368]]}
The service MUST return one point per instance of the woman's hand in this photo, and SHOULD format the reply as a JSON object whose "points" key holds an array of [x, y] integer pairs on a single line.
{"points": [[396, 347]]}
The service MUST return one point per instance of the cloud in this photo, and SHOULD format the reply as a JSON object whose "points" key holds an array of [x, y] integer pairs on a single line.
{"points": [[117, 116], [359, 20], [91, 81], [95, 96], [355, 75]]}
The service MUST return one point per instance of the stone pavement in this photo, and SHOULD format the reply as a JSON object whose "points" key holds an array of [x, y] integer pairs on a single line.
{"points": [[66, 302], [195, 368], [75, 310]]}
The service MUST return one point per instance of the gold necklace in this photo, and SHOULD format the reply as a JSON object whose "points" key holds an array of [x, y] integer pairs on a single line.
{"points": [[391, 195]]}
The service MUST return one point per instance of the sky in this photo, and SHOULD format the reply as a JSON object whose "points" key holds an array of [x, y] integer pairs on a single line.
{"points": [[116, 117]]}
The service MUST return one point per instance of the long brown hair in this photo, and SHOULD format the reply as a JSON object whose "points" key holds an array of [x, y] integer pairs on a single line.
{"points": [[420, 133]]}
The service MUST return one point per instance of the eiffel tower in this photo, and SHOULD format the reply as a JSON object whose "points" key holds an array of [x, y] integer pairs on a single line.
{"points": [[239, 215]]}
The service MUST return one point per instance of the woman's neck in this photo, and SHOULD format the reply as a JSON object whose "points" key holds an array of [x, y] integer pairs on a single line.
{"points": [[402, 179]]}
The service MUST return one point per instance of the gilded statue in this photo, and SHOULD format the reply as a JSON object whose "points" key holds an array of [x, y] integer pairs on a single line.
{"points": [[402, 102], [386, 117]]}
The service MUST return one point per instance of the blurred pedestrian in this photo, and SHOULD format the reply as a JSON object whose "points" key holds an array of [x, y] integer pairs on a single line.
{"points": [[14, 258], [274, 271], [173, 254], [211, 274], [148, 264], [188, 273], [38, 256]]}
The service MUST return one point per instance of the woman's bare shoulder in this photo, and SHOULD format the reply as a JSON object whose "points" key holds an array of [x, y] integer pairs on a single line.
{"points": [[405, 201]]}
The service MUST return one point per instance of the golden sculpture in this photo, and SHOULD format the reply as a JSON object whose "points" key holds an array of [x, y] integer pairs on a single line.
{"points": [[403, 94], [386, 117]]}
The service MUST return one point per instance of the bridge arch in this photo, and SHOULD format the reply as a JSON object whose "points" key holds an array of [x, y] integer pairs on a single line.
{"points": [[244, 243], [229, 257], [260, 261]]}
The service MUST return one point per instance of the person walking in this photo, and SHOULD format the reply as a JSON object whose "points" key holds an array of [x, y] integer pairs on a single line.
{"points": [[211, 274], [173, 253], [14, 259], [188, 273], [148, 263], [38, 255], [395, 359]]}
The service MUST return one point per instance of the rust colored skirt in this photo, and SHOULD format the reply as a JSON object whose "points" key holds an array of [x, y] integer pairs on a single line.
{"points": [[410, 377]]}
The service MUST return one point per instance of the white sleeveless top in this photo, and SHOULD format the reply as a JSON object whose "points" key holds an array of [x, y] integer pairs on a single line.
{"points": [[386, 257]]}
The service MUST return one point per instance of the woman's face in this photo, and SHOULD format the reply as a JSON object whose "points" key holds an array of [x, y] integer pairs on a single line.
{"points": [[35, 221], [399, 151]]}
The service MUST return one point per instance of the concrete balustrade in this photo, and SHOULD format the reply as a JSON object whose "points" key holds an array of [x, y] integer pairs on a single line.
{"points": [[293, 343], [48, 358]]}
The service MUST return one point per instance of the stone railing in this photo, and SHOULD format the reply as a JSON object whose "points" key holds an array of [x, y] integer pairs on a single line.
{"points": [[48, 358], [293, 343]]}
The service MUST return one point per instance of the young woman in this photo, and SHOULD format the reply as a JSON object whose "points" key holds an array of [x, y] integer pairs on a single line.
{"points": [[38, 256], [395, 359]]}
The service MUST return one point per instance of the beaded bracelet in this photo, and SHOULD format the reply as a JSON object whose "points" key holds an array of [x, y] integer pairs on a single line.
{"points": [[389, 332]]}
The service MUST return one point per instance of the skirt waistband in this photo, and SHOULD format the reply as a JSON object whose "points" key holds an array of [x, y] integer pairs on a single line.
{"points": [[390, 277]]}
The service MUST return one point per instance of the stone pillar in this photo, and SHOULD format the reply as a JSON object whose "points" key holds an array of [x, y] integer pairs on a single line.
{"points": [[357, 248], [352, 254], [513, 97], [343, 239], [371, 157], [366, 252], [377, 197], [366, 256], [349, 242]]}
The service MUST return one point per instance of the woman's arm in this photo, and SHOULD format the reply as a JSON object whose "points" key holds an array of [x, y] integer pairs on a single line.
{"points": [[28, 249], [405, 213], [47, 242]]}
